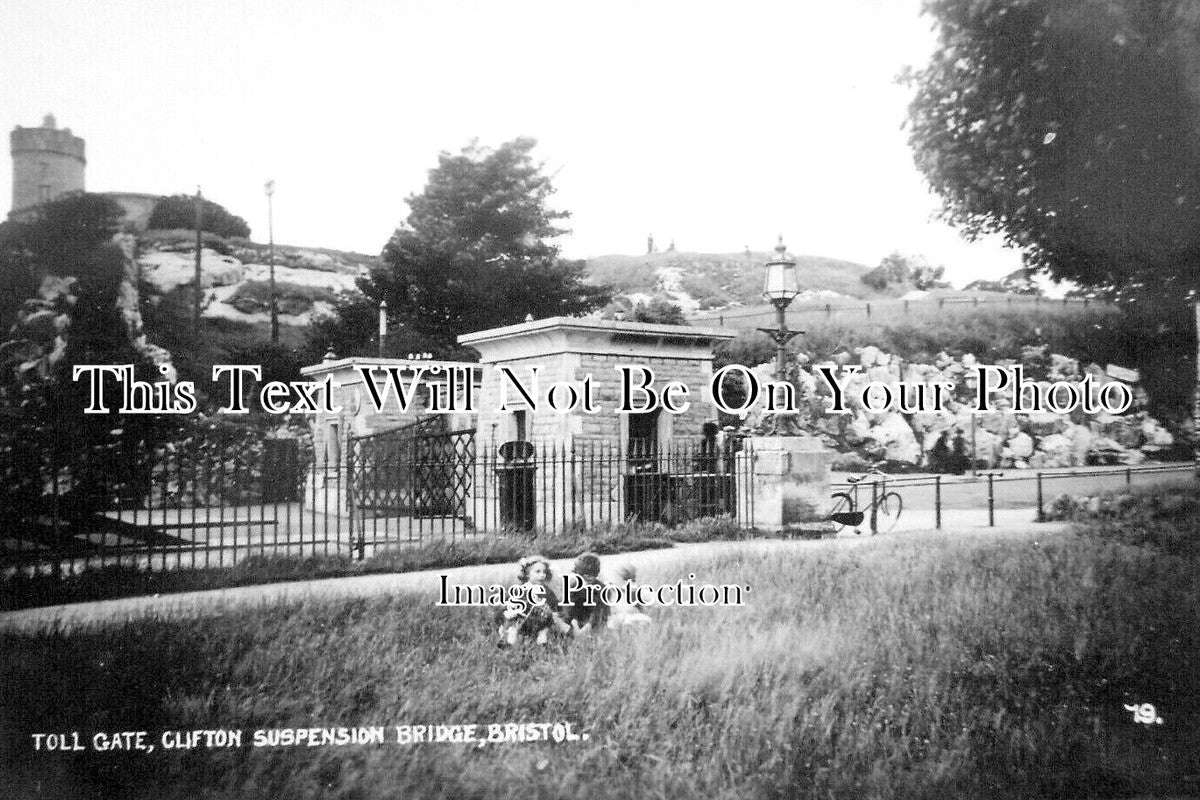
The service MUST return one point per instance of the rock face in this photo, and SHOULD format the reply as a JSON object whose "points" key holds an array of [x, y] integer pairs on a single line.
{"points": [[999, 438], [168, 270], [235, 280]]}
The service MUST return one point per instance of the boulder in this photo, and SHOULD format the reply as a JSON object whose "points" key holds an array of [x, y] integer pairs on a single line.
{"points": [[896, 439], [1155, 436], [1126, 431], [1081, 442], [986, 445], [859, 429], [1055, 451], [1133, 457], [1020, 446], [169, 270], [1063, 368], [1002, 423], [867, 356], [1043, 423], [1106, 451]]}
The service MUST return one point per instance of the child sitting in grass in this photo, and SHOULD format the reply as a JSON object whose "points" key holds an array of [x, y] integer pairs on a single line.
{"points": [[534, 611], [625, 614], [585, 617]]}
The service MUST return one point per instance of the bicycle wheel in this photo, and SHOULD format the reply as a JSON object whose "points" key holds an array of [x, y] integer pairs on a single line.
{"points": [[840, 508], [887, 512]]}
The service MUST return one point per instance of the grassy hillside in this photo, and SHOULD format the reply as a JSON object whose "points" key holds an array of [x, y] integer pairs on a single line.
{"points": [[720, 279]]}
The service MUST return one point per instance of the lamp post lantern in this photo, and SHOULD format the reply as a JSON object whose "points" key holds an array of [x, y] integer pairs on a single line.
{"points": [[269, 190], [781, 288]]}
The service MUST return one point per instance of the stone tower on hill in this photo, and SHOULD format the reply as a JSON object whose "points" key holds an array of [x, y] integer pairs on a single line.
{"points": [[47, 163]]}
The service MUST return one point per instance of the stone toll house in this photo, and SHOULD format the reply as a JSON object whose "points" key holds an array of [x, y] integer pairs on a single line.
{"points": [[569, 350], [513, 464], [600, 450]]}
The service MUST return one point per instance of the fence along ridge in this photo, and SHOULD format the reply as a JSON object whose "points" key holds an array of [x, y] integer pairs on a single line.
{"points": [[829, 307]]}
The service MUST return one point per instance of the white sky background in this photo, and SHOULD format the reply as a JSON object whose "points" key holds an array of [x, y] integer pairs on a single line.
{"points": [[716, 125]]}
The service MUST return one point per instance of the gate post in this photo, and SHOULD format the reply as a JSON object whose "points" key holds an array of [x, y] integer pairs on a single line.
{"points": [[790, 484]]}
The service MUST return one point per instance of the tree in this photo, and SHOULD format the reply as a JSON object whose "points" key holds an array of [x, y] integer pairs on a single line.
{"points": [[1072, 129], [905, 272], [179, 211], [1016, 282], [49, 449], [659, 310], [58, 238], [474, 253]]}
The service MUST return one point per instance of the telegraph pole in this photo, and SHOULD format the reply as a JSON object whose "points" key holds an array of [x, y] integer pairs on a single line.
{"points": [[198, 290], [270, 191], [382, 325]]}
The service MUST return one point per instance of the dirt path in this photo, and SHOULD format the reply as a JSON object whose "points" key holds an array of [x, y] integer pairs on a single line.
{"points": [[650, 564]]}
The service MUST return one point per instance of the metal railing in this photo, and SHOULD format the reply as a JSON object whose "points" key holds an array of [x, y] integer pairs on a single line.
{"points": [[214, 504], [1011, 489]]}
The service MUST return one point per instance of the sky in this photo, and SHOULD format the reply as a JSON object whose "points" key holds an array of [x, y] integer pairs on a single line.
{"points": [[715, 125]]}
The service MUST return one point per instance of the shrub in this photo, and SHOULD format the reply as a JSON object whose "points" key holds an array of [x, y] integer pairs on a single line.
{"points": [[293, 298], [182, 240], [1162, 516], [179, 211]]}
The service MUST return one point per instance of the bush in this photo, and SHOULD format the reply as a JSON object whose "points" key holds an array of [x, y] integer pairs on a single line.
{"points": [[293, 298], [1162, 516], [181, 240], [179, 211]]}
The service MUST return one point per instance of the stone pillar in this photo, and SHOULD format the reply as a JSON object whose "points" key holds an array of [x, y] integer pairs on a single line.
{"points": [[790, 484]]}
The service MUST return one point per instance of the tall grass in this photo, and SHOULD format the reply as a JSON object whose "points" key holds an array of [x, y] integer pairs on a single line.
{"points": [[907, 668]]}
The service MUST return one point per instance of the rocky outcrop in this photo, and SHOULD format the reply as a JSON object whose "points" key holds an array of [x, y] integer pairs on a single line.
{"points": [[235, 277], [1001, 439]]}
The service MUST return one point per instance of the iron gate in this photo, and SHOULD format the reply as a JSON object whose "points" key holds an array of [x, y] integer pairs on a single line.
{"points": [[419, 470]]}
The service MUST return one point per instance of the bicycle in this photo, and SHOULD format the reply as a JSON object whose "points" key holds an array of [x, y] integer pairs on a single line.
{"points": [[884, 508]]}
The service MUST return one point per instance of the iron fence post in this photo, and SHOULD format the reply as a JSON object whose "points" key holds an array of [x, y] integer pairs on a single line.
{"points": [[349, 498], [874, 507], [991, 500], [937, 501], [1041, 510]]}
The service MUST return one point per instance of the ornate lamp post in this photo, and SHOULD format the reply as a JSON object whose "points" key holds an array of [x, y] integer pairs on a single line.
{"points": [[790, 468], [781, 288]]}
